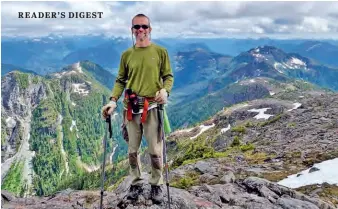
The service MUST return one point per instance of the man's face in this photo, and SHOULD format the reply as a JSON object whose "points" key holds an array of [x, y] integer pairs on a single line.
{"points": [[141, 28]]}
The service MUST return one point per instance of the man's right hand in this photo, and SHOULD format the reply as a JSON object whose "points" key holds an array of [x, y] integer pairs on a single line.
{"points": [[108, 109]]}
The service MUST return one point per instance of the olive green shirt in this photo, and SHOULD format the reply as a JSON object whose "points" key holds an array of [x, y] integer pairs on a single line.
{"points": [[145, 70]]}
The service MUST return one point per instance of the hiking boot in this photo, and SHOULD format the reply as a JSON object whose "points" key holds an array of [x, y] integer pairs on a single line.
{"points": [[156, 194], [134, 191]]}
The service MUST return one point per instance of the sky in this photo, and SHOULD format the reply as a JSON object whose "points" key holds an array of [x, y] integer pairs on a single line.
{"points": [[179, 19]]}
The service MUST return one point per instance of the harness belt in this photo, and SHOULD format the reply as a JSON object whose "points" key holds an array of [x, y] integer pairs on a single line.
{"points": [[133, 98]]}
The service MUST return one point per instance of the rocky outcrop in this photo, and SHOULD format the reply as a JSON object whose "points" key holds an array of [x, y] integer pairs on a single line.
{"points": [[276, 137], [21, 93], [250, 193]]}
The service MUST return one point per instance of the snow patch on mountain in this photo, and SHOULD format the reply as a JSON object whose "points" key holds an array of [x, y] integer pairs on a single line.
{"points": [[184, 130], [258, 55], [203, 129], [326, 173], [77, 67], [78, 89], [261, 113], [296, 106], [276, 64], [297, 61], [59, 75], [223, 130]]}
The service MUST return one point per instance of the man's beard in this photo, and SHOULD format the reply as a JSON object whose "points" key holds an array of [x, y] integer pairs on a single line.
{"points": [[143, 37]]}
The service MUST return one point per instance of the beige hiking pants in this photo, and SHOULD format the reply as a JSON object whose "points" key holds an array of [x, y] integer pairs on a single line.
{"points": [[135, 131]]}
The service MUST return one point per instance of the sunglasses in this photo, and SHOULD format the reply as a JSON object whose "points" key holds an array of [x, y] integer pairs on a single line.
{"points": [[140, 26]]}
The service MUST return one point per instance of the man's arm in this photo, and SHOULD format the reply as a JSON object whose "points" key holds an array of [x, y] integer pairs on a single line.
{"points": [[121, 80], [166, 73]]}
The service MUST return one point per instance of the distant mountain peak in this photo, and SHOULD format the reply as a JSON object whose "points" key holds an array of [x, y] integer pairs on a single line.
{"points": [[264, 50], [70, 69]]}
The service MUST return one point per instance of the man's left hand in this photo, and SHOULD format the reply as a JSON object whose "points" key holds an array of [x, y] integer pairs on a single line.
{"points": [[161, 96]]}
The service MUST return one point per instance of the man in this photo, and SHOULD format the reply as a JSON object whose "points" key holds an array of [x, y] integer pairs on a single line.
{"points": [[146, 75]]}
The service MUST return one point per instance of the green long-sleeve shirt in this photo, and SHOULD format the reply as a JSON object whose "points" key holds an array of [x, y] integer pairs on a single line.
{"points": [[145, 70]]}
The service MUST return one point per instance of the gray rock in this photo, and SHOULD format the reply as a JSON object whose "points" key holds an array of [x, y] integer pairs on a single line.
{"points": [[313, 169], [290, 203], [253, 193], [205, 178], [204, 167], [228, 177]]}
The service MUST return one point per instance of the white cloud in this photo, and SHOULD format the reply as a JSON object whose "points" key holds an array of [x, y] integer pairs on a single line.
{"points": [[174, 19]]}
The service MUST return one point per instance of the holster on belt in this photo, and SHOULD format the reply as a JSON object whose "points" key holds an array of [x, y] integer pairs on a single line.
{"points": [[133, 101]]}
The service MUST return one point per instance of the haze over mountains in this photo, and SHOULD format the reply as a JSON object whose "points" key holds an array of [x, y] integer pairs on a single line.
{"points": [[50, 53]]}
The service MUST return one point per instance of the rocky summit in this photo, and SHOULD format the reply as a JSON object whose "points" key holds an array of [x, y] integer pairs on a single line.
{"points": [[252, 192]]}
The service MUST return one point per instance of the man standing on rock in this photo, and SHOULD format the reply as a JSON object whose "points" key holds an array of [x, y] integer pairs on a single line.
{"points": [[146, 75]]}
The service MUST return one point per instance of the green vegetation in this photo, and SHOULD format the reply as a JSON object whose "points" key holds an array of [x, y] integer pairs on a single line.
{"points": [[114, 175], [247, 147], [35, 80], [304, 86], [188, 180], [194, 151], [249, 124], [257, 157], [327, 192], [276, 176], [291, 125], [191, 151], [191, 112], [239, 129], [236, 142], [78, 129], [22, 79], [13, 181]]}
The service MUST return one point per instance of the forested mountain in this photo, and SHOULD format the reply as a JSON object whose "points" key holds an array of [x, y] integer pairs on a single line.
{"points": [[52, 127]]}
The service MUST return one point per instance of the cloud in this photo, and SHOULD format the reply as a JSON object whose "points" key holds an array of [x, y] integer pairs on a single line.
{"points": [[179, 19]]}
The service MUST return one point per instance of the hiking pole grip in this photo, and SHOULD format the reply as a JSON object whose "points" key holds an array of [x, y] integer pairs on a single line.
{"points": [[108, 120]]}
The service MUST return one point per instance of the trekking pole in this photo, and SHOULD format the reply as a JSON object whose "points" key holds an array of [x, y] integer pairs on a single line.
{"points": [[164, 150], [108, 121]]}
